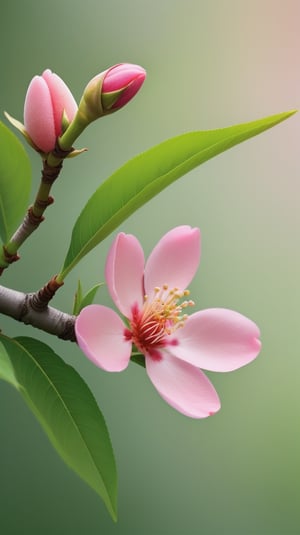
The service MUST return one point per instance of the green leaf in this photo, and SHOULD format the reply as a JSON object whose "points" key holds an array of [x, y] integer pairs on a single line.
{"points": [[146, 175], [67, 411], [139, 359], [77, 299], [15, 182], [6, 368], [81, 300], [89, 297]]}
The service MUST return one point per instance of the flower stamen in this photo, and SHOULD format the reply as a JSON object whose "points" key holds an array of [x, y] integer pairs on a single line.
{"points": [[159, 317]]}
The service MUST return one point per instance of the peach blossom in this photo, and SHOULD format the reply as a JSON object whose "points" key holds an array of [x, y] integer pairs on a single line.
{"points": [[154, 300]]}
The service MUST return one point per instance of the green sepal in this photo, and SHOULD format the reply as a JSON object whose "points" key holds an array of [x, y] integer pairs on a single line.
{"points": [[109, 99], [21, 128], [139, 359], [76, 152]]}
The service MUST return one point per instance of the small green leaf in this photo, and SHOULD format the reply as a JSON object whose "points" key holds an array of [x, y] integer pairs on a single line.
{"points": [[15, 182], [77, 299], [67, 411], [146, 175], [89, 297], [82, 301]]}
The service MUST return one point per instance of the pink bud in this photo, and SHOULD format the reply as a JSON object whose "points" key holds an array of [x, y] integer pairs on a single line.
{"points": [[110, 90], [124, 80], [48, 101]]}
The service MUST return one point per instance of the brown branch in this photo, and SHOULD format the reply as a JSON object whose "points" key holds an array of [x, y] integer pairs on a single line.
{"points": [[40, 300], [18, 305], [34, 216]]}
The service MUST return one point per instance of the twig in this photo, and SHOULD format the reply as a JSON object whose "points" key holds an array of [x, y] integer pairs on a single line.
{"points": [[18, 305]]}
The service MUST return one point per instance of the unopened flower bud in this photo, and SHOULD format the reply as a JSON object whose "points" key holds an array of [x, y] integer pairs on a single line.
{"points": [[49, 108], [110, 90]]}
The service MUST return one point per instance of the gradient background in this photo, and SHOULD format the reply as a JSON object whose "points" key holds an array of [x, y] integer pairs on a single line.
{"points": [[210, 64]]}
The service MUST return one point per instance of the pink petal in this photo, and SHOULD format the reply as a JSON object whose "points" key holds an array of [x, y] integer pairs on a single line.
{"points": [[174, 260], [217, 339], [121, 75], [124, 272], [38, 114], [183, 386], [130, 92], [124, 76], [99, 332], [62, 99]]}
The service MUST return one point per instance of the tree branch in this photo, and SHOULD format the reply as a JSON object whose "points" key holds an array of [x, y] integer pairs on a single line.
{"points": [[34, 216], [18, 305]]}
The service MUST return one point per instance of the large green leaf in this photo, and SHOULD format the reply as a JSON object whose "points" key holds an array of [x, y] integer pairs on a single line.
{"points": [[7, 371], [147, 174], [66, 409], [15, 182]]}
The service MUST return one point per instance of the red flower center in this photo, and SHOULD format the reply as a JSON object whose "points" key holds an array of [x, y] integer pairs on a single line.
{"points": [[159, 317]]}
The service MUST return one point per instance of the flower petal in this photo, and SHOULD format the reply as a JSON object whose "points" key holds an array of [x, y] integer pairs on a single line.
{"points": [[126, 77], [38, 114], [62, 99], [183, 386], [217, 339], [174, 260], [124, 272], [121, 75], [99, 333]]}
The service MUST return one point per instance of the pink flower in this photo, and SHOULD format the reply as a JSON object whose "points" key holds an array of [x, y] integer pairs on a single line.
{"points": [[124, 80], [111, 90], [154, 300], [47, 100]]}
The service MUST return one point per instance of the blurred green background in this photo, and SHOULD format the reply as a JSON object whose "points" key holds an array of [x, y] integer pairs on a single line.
{"points": [[210, 64]]}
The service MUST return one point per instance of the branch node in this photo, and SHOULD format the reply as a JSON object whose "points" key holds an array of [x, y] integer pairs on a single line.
{"points": [[49, 173], [33, 219], [60, 153], [39, 300], [44, 203], [8, 257]]}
